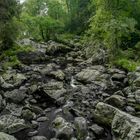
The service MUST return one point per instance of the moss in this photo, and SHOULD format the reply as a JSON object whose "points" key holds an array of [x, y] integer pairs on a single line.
{"points": [[127, 64], [9, 57]]}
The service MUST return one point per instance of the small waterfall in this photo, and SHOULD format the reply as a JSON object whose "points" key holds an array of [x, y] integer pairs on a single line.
{"points": [[72, 82]]}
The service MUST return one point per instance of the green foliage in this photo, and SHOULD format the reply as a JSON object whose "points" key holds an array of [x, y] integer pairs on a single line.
{"points": [[126, 64], [9, 9], [9, 56], [43, 20]]}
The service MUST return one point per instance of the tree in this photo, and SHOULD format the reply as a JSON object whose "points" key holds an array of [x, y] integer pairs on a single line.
{"points": [[43, 19], [8, 11], [112, 24]]}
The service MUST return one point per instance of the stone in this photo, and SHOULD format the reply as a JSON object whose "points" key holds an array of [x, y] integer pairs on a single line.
{"points": [[11, 124], [14, 109], [54, 48], [124, 126], [88, 75], [118, 76], [54, 89], [2, 103], [59, 74], [33, 133], [16, 96], [4, 84], [62, 128], [16, 79], [42, 119], [4, 136], [39, 138], [33, 57], [28, 114], [97, 129], [116, 100], [130, 109], [81, 127], [137, 96]]}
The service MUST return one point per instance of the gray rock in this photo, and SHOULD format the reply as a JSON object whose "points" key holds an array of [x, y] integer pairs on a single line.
{"points": [[39, 138], [33, 133], [55, 48], [81, 127], [130, 109], [54, 89], [97, 129], [59, 74], [10, 124], [16, 79], [137, 96], [2, 103], [28, 114], [116, 100], [124, 126], [14, 109], [62, 128], [42, 119], [88, 75], [4, 84], [4, 136], [16, 96]]}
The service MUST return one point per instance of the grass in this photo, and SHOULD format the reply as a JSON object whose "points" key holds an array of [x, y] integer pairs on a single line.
{"points": [[9, 57]]}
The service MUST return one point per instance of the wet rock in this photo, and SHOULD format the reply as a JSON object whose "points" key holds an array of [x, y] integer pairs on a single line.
{"points": [[124, 126], [97, 129], [116, 100], [39, 138], [11, 124], [16, 96], [81, 127], [62, 128], [4, 136]]}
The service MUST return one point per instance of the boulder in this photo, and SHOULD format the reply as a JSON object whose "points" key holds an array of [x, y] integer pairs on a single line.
{"points": [[54, 48], [4, 136], [62, 128], [38, 138], [16, 96], [33, 57], [81, 127], [54, 89], [59, 74], [4, 84], [88, 75], [2, 103], [124, 126], [11, 124], [116, 100], [13, 78], [98, 130]]}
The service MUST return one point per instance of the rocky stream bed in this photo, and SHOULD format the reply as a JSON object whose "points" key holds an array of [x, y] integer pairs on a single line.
{"points": [[58, 94]]}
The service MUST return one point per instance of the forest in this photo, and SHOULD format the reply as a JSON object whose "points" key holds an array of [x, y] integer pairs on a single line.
{"points": [[69, 69]]}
